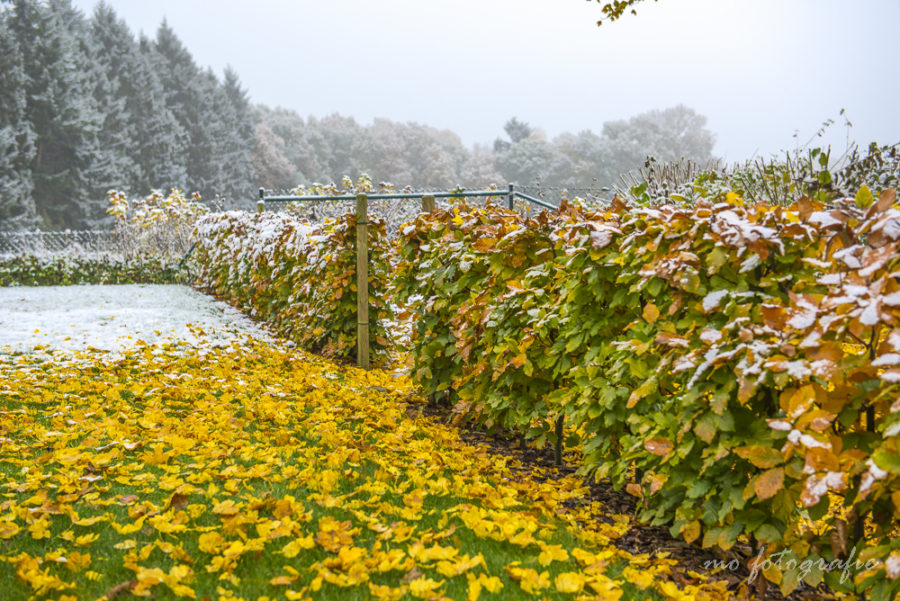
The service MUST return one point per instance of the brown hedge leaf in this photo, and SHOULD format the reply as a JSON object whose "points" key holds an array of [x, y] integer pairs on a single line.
{"points": [[769, 483], [760, 456], [658, 446]]}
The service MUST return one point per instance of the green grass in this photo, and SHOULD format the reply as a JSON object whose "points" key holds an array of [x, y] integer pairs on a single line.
{"points": [[340, 449]]}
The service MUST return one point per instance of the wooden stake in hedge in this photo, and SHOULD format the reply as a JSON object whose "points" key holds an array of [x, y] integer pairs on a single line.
{"points": [[560, 425], [362, 281], [428, 207]]}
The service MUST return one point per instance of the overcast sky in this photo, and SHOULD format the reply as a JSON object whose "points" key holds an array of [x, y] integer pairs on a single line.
{"points": [[760, 70]]}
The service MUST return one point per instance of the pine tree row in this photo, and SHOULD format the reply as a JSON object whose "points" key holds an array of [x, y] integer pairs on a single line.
{"points": [[86, 107]]}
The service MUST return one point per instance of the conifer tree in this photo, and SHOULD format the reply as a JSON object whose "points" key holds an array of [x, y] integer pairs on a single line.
{"points": [[240, 174], [16, 138], [137, 119], [60, 108], [160, 140]]}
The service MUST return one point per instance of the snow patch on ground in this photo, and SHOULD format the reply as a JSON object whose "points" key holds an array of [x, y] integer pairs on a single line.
{"points": [[112, 318]]}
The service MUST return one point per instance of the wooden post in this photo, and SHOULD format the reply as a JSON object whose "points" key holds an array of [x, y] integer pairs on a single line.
{"points": [[511, 197], [362, 281], [560, 422], [428, 207], [261, 203]]}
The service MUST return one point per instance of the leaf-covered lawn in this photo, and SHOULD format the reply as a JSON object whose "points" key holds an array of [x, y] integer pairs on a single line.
{"points": [[254, 472]]}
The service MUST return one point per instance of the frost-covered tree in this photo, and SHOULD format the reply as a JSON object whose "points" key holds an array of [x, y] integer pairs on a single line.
{"points": [[17, 209], [435, 157], [292, 130], [215, 117], [273, 169], [535, 160], [339, 143], [136, 117], [108, 49], [588, 160], [185, 89], [108, 165], [160, 142], [591, 156], [239, 173], [211, 131], [667, 135], [517, 131], [62, 112], [413, 154], [87, 108], [383, 153], [478, 171], [324, 150]]}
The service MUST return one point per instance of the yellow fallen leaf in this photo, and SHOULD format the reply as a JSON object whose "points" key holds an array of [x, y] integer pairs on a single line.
{"points": [[210, 542], [569, 582], [293, 548], [76, 561], [226, 508], [650, 313], [85, 540], [529, 580], [464, 563], [8, 529], [551, 553], [424, 588]]}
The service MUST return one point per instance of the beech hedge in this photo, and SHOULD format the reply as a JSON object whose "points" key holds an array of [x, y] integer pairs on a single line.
{"points": [[31, 270], [299, 278], [736, 367]]}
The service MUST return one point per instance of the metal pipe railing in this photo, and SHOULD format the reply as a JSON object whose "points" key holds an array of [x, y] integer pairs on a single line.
{"points": [[537, 201], [392, 196], [510, 195]]}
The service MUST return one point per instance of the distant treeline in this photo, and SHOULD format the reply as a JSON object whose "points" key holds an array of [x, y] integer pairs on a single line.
{"points": [[290, 150], [86, 107]]}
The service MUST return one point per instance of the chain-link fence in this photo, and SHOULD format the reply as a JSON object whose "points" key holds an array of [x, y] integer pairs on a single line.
{"points": [[68, 242]]}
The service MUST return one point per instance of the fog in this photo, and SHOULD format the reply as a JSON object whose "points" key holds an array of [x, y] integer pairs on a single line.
{"points": [[766, 73]]}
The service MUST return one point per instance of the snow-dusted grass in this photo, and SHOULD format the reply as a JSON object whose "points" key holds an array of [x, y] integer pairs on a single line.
{"points": [[72, 318]]}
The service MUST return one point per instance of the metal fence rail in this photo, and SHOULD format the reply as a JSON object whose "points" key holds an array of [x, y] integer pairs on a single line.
{"points": [[511, 194], [554, 194]]}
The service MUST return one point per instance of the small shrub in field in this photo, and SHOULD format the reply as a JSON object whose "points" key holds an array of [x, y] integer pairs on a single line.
{"points": [[158, 225]]}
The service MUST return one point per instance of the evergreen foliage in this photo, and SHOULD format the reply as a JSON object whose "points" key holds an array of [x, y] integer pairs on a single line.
{"points": [[87, 107], [16, 137]]}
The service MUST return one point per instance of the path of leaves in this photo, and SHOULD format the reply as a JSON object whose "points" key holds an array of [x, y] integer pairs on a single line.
{"points": [[252, 472]]}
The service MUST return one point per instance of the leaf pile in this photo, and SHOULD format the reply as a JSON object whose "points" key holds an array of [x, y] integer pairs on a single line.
{"points": [[299, 278], [728, 364], [251, 472]]}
